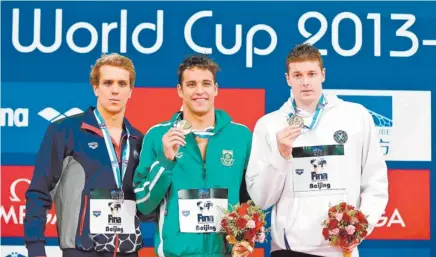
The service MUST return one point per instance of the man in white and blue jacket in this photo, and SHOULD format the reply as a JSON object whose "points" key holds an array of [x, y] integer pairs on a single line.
{"points": [[86, 165]]}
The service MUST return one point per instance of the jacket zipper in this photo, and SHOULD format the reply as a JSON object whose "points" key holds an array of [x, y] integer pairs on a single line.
{"points": [[205, 159], [118, 147], [206, 235], [83, 214], [116, 245], [118, 152]]}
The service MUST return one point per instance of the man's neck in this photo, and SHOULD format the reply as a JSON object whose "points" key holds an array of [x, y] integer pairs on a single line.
{"points": [[110, 119], [308, 106], [200, 122]]}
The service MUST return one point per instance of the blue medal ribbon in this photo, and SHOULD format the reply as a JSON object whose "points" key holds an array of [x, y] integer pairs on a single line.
{"points": [[118, 175], [207, 133], [315, 119]]}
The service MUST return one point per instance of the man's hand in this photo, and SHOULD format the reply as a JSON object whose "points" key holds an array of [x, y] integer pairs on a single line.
{"points": [[172, 140], [241, 250], [285, 139]]}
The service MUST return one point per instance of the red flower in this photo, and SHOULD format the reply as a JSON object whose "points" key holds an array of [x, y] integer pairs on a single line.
{"points": [[364, 233], [346, 218], [224, 223], [343, 233], [249, 235], [256, 216], [325, 233], [361, 217], [240, 223], [243, 209], [342, 206], [333, 224], [233, 215], [332, 211], [259, 224]]}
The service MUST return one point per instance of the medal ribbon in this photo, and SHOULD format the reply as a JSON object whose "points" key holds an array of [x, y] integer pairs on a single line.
{"points": [[207, 133], [119, 176], [315, 119]]}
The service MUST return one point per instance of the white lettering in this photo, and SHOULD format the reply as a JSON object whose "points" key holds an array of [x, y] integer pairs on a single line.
{"points": [[36, 32], [11, 214], [159, 37], [250, 48], [395, 218], [10, 118], [318, 35], [404, 32], [266, 51], [188, 32], [123, 31], [106, 28], [219, 40], [90, 46], [6, 216], [13, 191], [51, 218], [22, 213], [358, 34]]}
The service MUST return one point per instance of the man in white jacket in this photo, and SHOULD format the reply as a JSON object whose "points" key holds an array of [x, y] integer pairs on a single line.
{"points": [[314, 152]]}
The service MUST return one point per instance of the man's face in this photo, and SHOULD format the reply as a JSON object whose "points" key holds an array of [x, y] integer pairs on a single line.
{"points": [[198, 90], [113, 89], [306, 80]]}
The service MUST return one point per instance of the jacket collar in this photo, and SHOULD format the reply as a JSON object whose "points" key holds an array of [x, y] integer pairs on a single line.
{"points": [[90, 123]]}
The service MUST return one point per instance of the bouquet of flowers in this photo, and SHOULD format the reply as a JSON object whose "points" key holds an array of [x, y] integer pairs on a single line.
{"points": [[244, 224], [345, 227]]}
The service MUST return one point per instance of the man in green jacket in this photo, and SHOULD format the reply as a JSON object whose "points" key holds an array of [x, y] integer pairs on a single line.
{"points": [[193, 166]]}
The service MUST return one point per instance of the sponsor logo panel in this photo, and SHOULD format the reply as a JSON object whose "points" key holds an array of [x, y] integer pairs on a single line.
{"points": [[407, 215], [402, 119]]}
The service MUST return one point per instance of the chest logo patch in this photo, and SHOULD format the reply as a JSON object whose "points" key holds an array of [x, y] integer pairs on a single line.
{"points": [[93, 145], [227, 158], [340, 137]]}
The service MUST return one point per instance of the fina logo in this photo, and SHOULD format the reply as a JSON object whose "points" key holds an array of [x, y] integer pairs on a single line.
{"points": [[318, 164], [115, 207], [204, 205], [52, 115]]}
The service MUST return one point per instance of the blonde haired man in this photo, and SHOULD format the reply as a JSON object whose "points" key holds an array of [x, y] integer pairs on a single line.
{"points": [[86, 165]]}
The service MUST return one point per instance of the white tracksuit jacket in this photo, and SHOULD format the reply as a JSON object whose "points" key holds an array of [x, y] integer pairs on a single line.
{"points": [[358, 177]]}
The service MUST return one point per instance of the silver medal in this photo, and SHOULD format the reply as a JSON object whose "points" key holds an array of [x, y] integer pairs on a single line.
{"points": [[184, 125], [296, 120]]}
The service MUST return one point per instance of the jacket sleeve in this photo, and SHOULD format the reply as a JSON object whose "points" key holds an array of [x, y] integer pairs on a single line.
{"points": [[266, 172], [374, 181], [47, 171], [153, 176]]}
